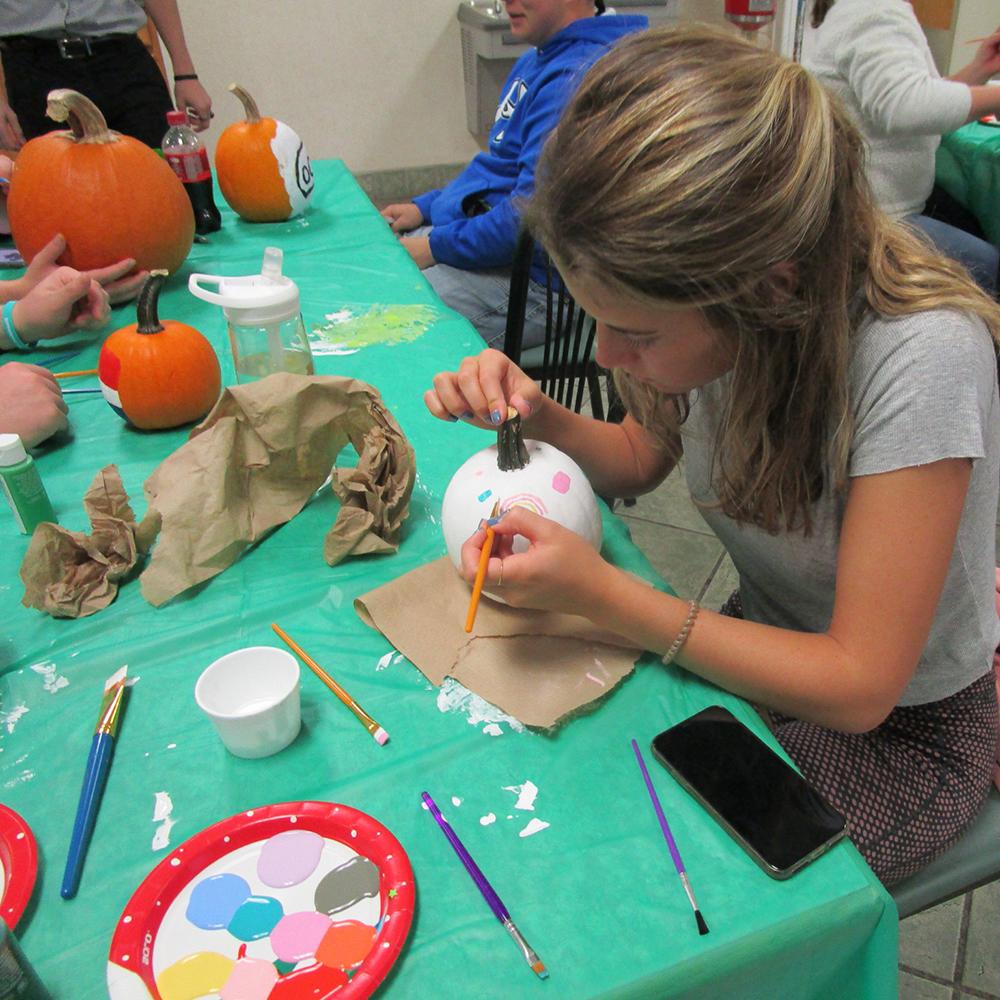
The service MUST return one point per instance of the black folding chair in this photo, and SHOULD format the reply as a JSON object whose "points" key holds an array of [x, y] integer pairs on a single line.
{"points": [[564, 364]]}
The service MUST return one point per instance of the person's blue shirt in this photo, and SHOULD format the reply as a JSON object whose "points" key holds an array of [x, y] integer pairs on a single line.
{"points": [[536, 91]]}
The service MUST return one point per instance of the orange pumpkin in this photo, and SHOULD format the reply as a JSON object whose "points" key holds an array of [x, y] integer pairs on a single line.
{"points": [[158, 374], [110, 195], [263, 169]]}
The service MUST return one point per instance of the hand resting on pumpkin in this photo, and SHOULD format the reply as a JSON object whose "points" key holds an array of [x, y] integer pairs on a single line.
{"points": [[31, 403]]}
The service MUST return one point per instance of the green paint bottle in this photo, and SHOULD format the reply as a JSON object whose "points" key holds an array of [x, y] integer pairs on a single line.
{"points": [[22, 485]]}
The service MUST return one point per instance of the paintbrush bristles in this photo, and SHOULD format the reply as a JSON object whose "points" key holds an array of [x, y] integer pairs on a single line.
{"points": [[511, 453]]}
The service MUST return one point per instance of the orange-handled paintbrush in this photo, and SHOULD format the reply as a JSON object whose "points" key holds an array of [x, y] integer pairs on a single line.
{"points": [[484, 561]]}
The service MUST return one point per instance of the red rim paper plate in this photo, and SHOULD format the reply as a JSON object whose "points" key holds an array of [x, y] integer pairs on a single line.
{"points": [[239, 909], [18, 865]]}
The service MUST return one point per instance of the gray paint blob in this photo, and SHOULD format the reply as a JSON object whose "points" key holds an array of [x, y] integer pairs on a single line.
{"points": [[346, 885]]}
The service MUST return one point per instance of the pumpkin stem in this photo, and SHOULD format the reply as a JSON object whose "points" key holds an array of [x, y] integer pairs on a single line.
{"points": [[511, 453], [145, 309], [250, 108], [85, 120]]}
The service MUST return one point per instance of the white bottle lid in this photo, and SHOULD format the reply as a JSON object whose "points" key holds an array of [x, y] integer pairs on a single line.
{"points": [[255, 299], [11, 450]]}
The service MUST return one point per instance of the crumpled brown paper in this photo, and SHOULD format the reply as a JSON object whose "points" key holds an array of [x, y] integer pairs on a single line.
{"points": [[251, 465], [69, 574], [537, 666], [254, 462]]}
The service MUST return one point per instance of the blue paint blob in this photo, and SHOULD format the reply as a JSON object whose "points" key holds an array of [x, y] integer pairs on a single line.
{"points": [[484, 495], [256, 918], [214, 901]]}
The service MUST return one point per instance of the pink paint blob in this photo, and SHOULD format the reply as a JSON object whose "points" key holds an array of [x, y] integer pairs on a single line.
{"points": [[297, 935], [560, 482], [251, 979], [289, 858]]}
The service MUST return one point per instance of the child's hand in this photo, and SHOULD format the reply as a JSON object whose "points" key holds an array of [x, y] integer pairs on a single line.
{"points": [[63, 301], [403, 217], [31, 403], [559, 572], [481, 390], [116, 278]]}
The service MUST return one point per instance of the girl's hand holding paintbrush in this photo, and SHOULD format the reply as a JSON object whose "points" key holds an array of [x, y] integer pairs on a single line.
{"points": [[560, 571]]}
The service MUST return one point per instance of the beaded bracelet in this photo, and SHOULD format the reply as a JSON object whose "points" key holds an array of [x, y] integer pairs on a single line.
{"points": [[178, 77], [10, 330], [675, 646]]}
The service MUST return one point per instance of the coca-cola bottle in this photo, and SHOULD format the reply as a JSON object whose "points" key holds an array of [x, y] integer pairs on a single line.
{"points": [[183, 150]]}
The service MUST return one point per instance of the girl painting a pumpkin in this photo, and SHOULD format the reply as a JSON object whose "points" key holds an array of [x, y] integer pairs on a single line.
{"points": [[832, 388]]}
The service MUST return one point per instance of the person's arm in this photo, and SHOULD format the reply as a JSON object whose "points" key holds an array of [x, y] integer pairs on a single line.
{"points": [[31, 403], [896, 541], [984, 65], [884, 62], [489, 240], [187, 93], [618, 459], [11, 136]]}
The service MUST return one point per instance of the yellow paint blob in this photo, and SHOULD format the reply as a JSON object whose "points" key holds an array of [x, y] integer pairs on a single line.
{"points": [[194, 976]]}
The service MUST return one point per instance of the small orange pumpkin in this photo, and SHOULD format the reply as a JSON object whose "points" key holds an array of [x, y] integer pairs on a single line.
{"points": [[158, 374], [263, 169], [110, 195]]}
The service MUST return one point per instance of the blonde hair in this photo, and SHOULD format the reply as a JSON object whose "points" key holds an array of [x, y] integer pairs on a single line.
{"points": [[688, 169]]}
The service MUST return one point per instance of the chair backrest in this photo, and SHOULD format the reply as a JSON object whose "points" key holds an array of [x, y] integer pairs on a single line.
{"points": [[563, 364]]}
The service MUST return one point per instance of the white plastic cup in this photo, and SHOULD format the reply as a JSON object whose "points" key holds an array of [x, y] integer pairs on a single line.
{"points": [[252, 698]]}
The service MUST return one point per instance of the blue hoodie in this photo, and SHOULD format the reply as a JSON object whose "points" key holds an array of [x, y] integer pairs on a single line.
{"points": [[538, 88]]}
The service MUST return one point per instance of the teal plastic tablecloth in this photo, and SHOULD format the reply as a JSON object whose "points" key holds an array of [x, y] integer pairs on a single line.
{"points": [[594, 892], [968, 168]]}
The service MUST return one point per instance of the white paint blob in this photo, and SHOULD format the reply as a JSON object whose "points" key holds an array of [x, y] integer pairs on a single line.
{"points": [[456, 801], [163, 806], [534, 826], [455, 697], [487, 819], [526, 794], [385, 660], [51, 681], [10, 719]]}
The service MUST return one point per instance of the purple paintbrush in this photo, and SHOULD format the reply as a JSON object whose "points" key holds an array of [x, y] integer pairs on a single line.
{"points": [[489, 894], [669, 837]]}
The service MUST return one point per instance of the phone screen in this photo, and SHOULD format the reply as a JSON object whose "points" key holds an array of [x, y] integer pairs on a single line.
{"points": [[776, 815]]}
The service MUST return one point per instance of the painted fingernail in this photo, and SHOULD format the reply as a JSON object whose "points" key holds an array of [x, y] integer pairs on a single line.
{"points": [[495, 416], [452, 418], [468, 415]]}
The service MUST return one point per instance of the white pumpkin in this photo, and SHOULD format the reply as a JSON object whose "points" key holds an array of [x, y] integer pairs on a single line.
{"points": [[552, 485]]}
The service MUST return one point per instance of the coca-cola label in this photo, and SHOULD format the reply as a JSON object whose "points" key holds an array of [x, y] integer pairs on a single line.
{"points": [[190, 166]]}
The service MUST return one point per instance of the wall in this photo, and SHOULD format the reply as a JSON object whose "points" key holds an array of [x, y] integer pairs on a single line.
{"points": [[377, 83]]}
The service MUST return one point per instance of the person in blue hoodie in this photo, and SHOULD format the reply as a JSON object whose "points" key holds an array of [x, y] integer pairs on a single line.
{"points": [[463, 235]]}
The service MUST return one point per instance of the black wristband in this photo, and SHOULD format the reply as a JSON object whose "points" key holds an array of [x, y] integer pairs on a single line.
{"points": [[185, 76]]}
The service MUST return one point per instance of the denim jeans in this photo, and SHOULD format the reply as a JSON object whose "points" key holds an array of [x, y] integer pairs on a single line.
{"points": [[980, 258], [481, 297]]}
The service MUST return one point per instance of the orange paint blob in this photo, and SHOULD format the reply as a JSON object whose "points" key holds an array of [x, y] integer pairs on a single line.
{"points": [[345, 945]]}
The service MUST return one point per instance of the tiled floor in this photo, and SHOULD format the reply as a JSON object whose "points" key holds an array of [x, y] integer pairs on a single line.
{"points": [[949, 952]]}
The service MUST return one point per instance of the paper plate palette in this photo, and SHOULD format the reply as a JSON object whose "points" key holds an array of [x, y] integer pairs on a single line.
{"points": [[18, 865], [301, 899]]}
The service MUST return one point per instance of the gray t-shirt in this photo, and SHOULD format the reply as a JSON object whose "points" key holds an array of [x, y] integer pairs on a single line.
{"points": [[51, 19], [923, 388]]}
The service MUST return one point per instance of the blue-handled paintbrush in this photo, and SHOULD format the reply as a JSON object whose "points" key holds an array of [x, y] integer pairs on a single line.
{"points": [[94, 779]]}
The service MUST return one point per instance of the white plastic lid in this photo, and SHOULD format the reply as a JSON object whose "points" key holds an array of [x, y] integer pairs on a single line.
{"points": [[254, 299], [11, 450]]}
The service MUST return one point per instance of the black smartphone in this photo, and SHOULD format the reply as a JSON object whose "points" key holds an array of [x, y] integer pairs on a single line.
{"points": [[775, 815]]}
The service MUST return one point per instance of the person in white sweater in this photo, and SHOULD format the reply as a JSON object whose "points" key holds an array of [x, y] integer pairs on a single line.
{"points": [[874, 56]]}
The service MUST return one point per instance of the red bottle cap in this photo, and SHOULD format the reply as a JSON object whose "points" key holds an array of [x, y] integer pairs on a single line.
{"points": [[177, 118]]}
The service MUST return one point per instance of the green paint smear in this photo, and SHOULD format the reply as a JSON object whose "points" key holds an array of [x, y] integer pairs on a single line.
{"points": [[378, 325]]}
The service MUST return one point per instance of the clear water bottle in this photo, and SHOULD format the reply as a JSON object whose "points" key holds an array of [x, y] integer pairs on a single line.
{"points": [[17, 979], [188, 158], [265, 327]]}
